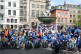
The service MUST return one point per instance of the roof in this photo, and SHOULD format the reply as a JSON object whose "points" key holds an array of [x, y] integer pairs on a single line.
{"points": [[59, 9]]}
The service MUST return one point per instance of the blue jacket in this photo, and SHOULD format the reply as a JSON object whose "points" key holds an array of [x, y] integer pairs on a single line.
{"points": [[43, 38], [49, 39], [60, 37], [49, 35], [78, 42], [14, 38], [33, 34], [77, 30], [68, 36], [56, 42], [60, 33], [68, 30], [20, 39], [10, 32], [24, 38]]}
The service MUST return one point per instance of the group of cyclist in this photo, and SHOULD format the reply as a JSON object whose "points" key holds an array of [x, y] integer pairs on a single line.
{"points": [[45, 36]]}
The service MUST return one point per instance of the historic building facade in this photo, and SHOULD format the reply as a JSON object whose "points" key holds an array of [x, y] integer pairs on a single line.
{"points": [[62, 16]]}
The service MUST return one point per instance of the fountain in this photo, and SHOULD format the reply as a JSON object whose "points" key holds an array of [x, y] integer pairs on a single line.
{"points": [[46, 19]]}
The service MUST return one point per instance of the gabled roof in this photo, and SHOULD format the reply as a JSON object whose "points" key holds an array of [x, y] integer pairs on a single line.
{"points": [[58, 9]]}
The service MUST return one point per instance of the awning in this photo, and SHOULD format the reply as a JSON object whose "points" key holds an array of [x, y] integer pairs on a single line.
{"points": [[11, 23]]}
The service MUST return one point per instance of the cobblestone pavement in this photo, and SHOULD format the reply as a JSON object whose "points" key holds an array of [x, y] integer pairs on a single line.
{"points": [[32, 51]]}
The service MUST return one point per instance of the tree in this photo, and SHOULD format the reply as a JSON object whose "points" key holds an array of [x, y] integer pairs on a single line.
{"points": [[77, 22]]}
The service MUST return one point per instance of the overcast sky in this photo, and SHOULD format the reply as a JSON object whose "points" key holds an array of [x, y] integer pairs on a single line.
{"points": [[57, 2]]}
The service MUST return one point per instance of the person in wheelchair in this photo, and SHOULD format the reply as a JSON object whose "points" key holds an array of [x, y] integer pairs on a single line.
{"points": [[72, 44], [44, 41], [36, 42], [78, 43], [56, 45], [13, 40], [20, 40]]}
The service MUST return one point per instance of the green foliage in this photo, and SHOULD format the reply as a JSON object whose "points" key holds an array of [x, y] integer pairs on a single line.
{"points": [[78, 22], [75, 22]]}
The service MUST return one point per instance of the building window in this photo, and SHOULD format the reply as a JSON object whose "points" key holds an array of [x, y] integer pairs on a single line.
{"points": [[14, 12], [61, 7], [24, 3], [62, 13], [21, 6], [8, 20], [1, 16], [42, 13], [21, 18], [14, 4], [25, 13], [25, 7], [73, 11], [58, 19], [58, 13], [15, 20], [24, 19], [33, 5], [12, 20], [15, 26], [66, 20], [37, 6], [66, 8], [42, 6], [9, 12], [73, 16], [62, 19], [21, 13], [70, 16], [9, 4], [33, 13], [70, 11], [1, 6], [37, 13], [70, 21]]}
